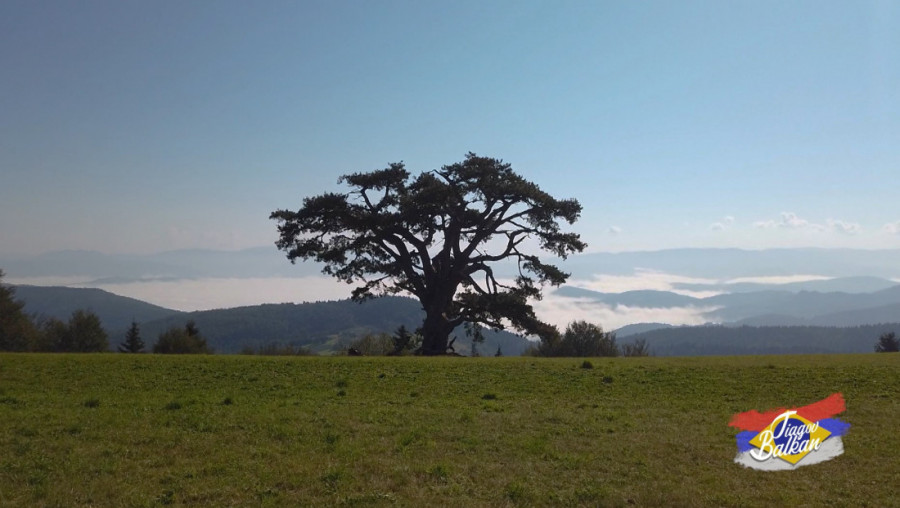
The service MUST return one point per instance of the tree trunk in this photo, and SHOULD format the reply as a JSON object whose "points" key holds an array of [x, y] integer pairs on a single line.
{"points": [[435, 333]]}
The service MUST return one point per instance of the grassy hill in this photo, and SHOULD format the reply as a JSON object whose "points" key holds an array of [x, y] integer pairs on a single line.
{"points": [[149, 430]]}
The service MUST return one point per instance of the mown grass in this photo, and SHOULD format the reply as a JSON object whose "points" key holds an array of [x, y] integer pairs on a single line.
{"points": [[145, 430]]}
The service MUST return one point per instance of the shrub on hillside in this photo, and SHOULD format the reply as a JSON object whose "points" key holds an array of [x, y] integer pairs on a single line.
{"points": [[580, 339]]}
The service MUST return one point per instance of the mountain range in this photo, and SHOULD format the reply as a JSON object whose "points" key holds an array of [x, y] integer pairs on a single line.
{"points": [[768, 307], [180, 264], [323, 327], [762, 340], [328, 327], [269, 262], [734, 290]]}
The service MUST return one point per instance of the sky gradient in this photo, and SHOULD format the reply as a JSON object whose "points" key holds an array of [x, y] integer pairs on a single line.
{"points": [[137, 127]]}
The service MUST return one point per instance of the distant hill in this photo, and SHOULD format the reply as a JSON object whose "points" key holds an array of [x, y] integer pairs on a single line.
{"points": [[330, 326], [882, 314], [322, 326], [764, 308], [636, 328], [771, 320], [805, 304], [114, 311], [269, 262], [736, 263], [772, 340], [835, 285], [641, 298], [195, 263]]}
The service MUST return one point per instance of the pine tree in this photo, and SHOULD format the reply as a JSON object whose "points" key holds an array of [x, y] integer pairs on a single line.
{"points": [[404, 342], [133, 342], [17, 332]]}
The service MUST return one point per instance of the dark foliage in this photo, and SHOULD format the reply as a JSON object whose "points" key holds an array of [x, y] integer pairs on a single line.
{"points": [[17, 332], [83, 333], [185, 340], [276, 349], [133, 342], [637, 348], [323, 327], [380, 344], [769, 340], [86, 334], [887, 343], [580, 339], [436, 236], [405, 342]]}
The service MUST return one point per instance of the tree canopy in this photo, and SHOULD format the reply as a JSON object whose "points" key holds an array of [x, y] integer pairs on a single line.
{"points": [[83, 333], [17, 332], [887, 343], [580, 339], [438, 236], [185, 340]]}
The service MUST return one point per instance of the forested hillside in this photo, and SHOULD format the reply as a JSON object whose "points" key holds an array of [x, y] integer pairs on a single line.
{"points": [[115, 312], [321, 326], [324, 327], [327, 327], [769, 340]]}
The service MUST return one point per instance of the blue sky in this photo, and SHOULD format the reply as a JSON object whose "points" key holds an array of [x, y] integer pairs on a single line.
{"points": [[137, 127]]}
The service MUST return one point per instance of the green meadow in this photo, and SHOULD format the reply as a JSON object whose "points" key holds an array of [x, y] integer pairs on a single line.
{"points": [[151, 430]]}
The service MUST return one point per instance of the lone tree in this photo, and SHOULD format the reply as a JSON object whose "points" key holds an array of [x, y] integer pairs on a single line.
{"points": [[887, 343], [437, 236], [133, 342]]}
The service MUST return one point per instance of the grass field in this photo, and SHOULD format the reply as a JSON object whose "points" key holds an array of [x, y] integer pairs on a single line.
{"points": [[149, 430]]}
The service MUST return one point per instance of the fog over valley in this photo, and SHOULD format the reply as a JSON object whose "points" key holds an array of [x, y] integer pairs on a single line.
{"points": [[675, 287]]}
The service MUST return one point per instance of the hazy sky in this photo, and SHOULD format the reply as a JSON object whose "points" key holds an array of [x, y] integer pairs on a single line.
{"points": [[134, 127]]}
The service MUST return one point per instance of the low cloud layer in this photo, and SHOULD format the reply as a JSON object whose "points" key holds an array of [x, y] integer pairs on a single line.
{"points": [[213, 293], [643, 279], [561, 311], [207, 294]]}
